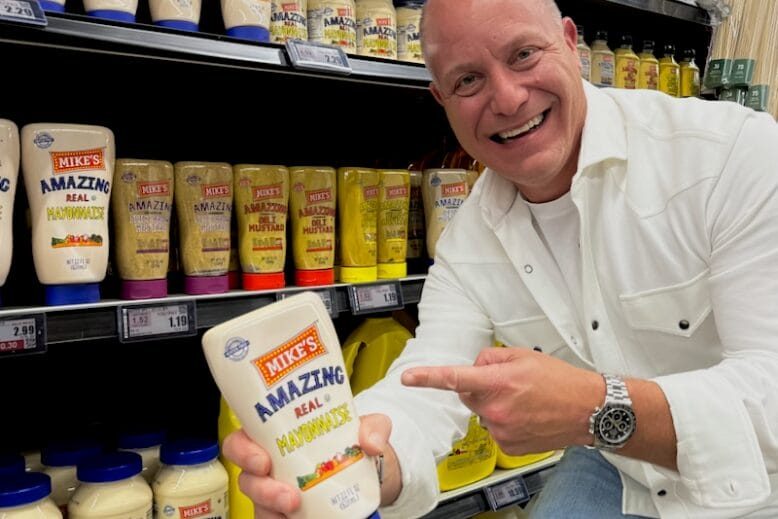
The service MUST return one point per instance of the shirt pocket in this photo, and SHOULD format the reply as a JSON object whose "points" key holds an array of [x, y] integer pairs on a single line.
{"points": [[534, 332], [675, 324]]}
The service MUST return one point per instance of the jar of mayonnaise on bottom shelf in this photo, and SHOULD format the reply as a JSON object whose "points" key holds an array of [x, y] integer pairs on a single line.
{"points": [[192, 482], [146, 444], [11, 463], [26, 496], [313, 440], [111, 487], [59, 462]]}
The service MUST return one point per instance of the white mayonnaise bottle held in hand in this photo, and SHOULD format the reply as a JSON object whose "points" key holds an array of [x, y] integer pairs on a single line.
{"points": [[192, 483], [9, 173], [26, 496], [68, 169], [111, 487], [281, 370]]}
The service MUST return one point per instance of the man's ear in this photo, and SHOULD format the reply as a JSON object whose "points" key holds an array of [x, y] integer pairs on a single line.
{"points": [[571, 33], [436, 93]]}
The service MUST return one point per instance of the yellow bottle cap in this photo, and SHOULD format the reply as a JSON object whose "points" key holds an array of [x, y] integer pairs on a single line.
{"points": [[358, 274], [392, 270]]}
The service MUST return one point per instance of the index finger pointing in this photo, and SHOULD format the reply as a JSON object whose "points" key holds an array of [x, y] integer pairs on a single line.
{"points": [[462, 379]]}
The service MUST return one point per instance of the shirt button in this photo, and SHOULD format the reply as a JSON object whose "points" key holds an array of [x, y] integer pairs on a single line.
{"points": [[528, 269], [683, 325], [662, 493], [538, 348], [595, 325]]}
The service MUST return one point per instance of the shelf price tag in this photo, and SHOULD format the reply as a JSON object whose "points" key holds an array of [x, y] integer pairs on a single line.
{"points": [[307, 55], [144, 323], [327, 295], [23, 335], [28, 12], [507, 493], [376, 297]]}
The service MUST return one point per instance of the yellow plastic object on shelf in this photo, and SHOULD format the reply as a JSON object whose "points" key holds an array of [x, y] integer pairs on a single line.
{"points": [[506, 461], [241, 506], [471, 459], [374, 345]]}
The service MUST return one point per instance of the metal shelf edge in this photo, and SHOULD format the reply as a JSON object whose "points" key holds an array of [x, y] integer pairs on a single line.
{"points": [[672, 8]]}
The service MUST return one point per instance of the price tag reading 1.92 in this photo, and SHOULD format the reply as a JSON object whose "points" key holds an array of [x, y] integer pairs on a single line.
{"points": [[153, 322], [376, 297]]}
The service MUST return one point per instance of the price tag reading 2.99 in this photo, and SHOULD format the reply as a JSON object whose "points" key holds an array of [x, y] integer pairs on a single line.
{"points": [[18, 335], [154, 322], [377, 297]]}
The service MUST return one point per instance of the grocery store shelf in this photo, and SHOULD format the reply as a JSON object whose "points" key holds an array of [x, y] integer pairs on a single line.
{"points": [[72, 323], [681, 9], [478, 497], [83, 33]]}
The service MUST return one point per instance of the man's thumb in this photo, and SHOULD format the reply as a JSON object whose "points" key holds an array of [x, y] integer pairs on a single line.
{"points": [[374, 433]]}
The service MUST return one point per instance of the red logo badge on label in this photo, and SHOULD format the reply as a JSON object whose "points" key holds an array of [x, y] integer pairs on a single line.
{"points": [[82, 160], [216, 190], [146, 189], [305, 346]]}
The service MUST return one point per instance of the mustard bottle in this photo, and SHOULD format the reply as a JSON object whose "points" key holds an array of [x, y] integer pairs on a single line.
{"points": [[669, 72], [648, 74], [627, 64], [584, 54], [603, 61], [690, 75]]}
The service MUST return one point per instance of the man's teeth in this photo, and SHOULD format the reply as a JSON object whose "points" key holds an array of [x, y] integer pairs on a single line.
{"points": [[524, 129]]}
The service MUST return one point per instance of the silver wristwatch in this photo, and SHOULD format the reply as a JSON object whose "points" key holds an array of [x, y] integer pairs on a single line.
{"points": [[613, 423]]}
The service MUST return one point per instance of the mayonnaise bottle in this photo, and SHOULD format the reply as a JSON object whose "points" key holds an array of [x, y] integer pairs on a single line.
{"points": [[376, 29], [56, 6], [68, 170], [146, 444], [280, 369], [394, 195], [59, 462], [444, 190], [288, 20], [141, 203], [183, 15], [358, 216], [603, 61], [409, 30], [11, 463], [32, 461], [584, 54], [9, 173], [247, 19], [415, 221], [26, 496], [111, 488], [191, 483], [333, 22], [116, 10]]}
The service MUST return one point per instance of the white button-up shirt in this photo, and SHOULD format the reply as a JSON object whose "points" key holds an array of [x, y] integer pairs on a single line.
{"points": [[678, 204]]}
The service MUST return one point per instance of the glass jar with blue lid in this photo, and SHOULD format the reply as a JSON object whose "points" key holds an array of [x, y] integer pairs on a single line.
{"points": [[26, 496]]}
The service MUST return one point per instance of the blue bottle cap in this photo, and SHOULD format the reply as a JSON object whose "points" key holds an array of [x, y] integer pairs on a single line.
{"points": [[250, 32], [140, 439], [23, 489], [181, 25], [68, 454], [110, 14], [75, 294], [11, 463], [374, 515], [106, 468], [47, 5], [188, 452]]}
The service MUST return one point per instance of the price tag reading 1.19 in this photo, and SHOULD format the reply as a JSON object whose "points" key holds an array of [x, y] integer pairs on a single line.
{"points": [[18, 335], [507, 493], [153, 322], [376, 297]]}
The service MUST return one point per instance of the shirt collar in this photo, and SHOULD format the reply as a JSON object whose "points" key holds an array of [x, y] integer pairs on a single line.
{"points": [[604, 137]]}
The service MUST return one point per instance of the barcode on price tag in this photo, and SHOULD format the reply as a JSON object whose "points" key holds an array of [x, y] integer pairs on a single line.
{"points": [[22, 11], [22, 335], [143, 323], [377, 297], [507, 493], [327, 297], [308, 55]]}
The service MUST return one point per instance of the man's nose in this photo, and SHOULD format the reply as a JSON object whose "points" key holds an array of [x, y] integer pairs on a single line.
{"points": [[508, 92]]}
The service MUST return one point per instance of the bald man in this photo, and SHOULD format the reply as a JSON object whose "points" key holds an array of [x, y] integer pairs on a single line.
{"points": [[625, 245]]}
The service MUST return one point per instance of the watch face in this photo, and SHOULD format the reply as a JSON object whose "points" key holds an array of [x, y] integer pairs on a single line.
{"points": [[615, 424]]}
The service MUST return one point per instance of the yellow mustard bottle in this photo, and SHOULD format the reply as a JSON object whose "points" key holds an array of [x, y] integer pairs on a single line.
{"points": [[669, 72], [394, 197], [471, 459], [648, 75], [358, 218], [380, 341], [690, 74], [241, 506], [584, 54], [627, 64], [603, 61]]}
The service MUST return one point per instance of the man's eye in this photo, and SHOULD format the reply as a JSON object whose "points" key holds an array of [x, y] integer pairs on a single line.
{"points": [[466, 85], [525, 54]]}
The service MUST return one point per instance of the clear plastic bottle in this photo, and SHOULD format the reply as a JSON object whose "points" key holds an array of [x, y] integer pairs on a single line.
{"points": [[669, 72], [648, 76], [584, 54], [603, 61], [627, 64], [690, 75]]}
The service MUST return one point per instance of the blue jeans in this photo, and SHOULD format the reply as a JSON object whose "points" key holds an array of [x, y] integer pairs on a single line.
{"points": [[583, 486]]}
